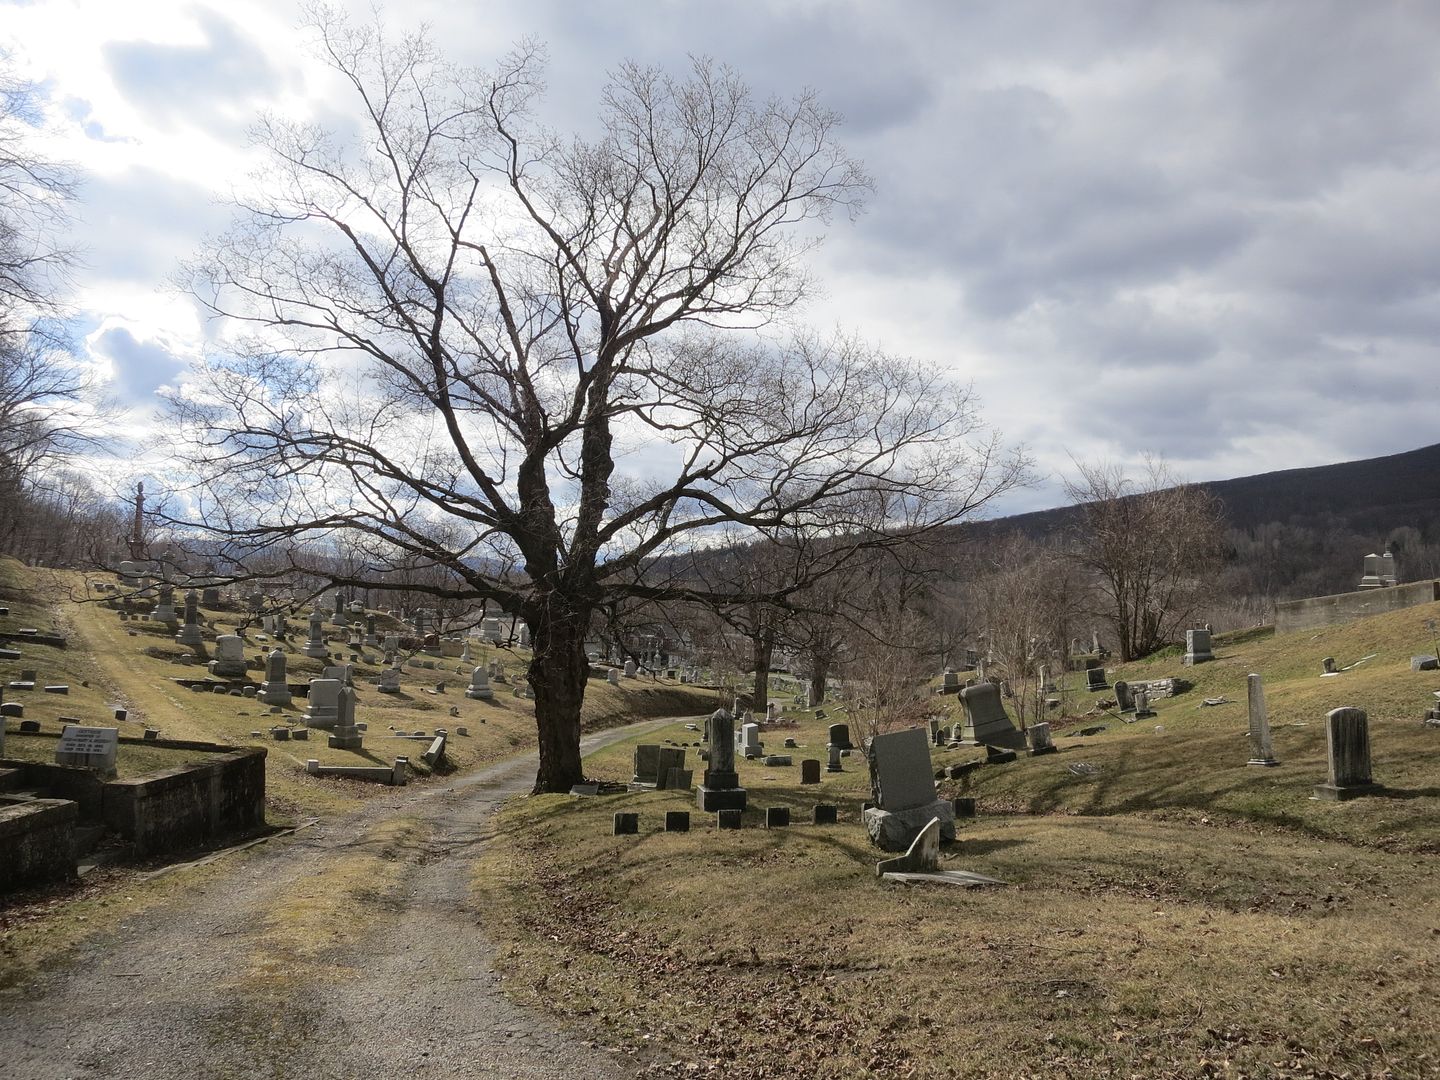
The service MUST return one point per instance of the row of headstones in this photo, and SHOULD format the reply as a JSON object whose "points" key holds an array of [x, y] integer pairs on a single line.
{"points": [[627, 823]]}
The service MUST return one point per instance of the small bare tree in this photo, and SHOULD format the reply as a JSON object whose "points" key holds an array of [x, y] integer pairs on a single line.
{"points": [[1152, 546]]}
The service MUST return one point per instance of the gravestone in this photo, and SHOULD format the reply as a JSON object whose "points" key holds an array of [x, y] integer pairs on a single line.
{"points": [[165, 606], [840, 737], [1347, 738], [1142, 704], [346, 735], [1040, 740], [1261, 752], [720, 787], [389, 682], [322, 708], [190, 630], [1095, 679], [986, 721], [630, 669], [210, 597], [777, 817], [479, 688], [315, 645], [276, 689], [1379, 571], [950, 681], [810, 771], [647, 764], [1327, 666], [1124, 700], [370, 639], [922, 855], [89, 747], [825, 814], [339, 617], [750, 744], [626, 824], [833, 765], [1197, 647], [229, 657], [903, 785], [677, 820], [731, 818], [613, 677]]}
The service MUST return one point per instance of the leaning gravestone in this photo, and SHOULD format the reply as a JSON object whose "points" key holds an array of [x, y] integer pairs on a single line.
{"points": [[986, 721], [902, 782], [1261, 752], [1347, 737], [89, 747], [1123, 698], [720, 787]]}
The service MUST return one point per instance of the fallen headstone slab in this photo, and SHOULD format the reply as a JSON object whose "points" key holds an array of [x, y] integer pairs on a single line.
{"points": [[1083, 768], [923, 855], [584, 789], [963, 878], [1424, 663]]}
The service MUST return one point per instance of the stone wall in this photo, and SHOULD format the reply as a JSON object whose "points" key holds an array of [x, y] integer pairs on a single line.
{"points": [[190, 804], [37, 842], [1318, 611]]}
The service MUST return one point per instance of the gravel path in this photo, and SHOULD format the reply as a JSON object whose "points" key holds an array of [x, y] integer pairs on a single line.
{"points": [[415, 992]]}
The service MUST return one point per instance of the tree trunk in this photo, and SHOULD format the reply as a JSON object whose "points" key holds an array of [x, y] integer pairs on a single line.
{"points": [[557, 674], [819, 675], [764, 649]]}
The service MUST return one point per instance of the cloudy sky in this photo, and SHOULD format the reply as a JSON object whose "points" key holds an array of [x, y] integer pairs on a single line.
{"points": [[1205, 230]]}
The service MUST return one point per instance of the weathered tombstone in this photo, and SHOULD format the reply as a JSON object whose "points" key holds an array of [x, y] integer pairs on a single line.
{"points": [[1261, 752], [731, 818], [777, 817], [89, 747], [613, 677], [229, 656], [630, 669], [810, 771], [1047, 684], [833, 765], [479, 688], [210, 597], [322, 709], [1197, 647], [647, 764], [677, 820], [1040, 740], [346, 735], [986, 721], [1379, 571], [276, 688], [339, 617], [389, 682], [1142, 704], [750, 744], [922, 855], [1095, 679], [1327, 666], [1123, 698], [190, 631], [678, 778], [903, 784], [370, 639], [825, 814], [1095, 641], [720, 787], [626, 824], [1347, 737], [165, 606], [840, 737], [315, 646], [950, 681]]}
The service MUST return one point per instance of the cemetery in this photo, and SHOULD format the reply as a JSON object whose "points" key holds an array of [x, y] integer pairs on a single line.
{"points": [[498, 611]]}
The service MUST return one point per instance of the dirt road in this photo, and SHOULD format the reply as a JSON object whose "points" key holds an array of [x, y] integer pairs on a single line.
{"points": [[350, 949]]}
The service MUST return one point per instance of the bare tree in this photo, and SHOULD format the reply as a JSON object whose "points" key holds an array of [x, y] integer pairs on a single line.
{"points": [[1153, 546], [459, 323]]}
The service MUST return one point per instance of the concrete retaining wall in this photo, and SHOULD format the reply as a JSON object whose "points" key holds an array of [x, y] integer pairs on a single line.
{"points": [[37, 842], [190, 804], [1318, 611]]}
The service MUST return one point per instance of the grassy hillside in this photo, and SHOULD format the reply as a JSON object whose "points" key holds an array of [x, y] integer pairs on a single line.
{"points": [[1171, 912], [133, 664]]}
